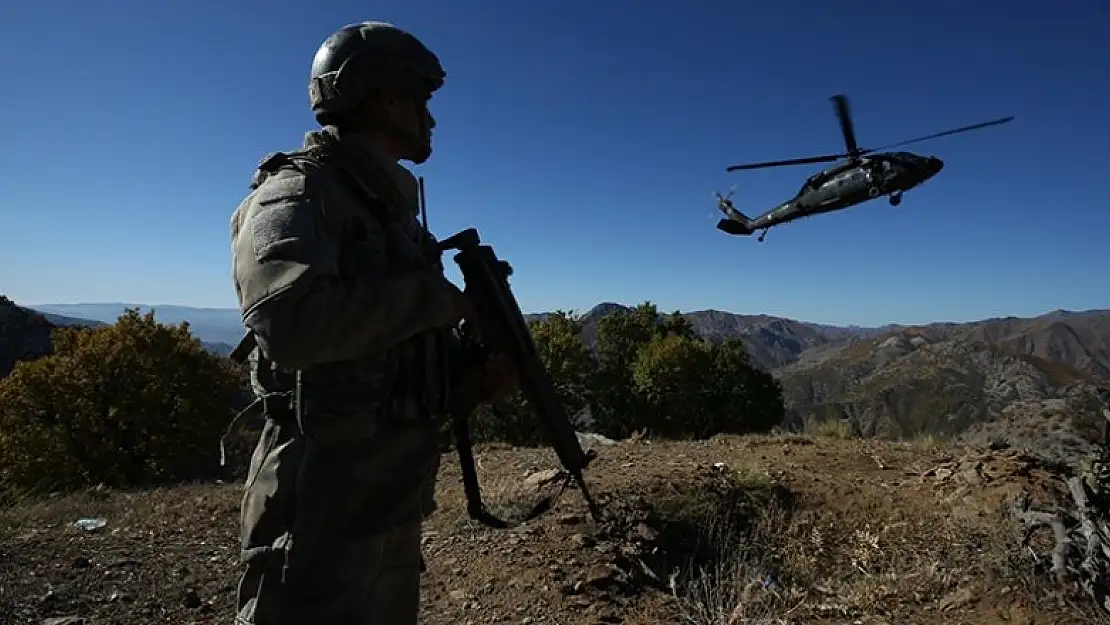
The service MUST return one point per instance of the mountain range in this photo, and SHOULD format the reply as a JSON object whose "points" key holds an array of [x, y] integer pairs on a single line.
{"points": [[1032, 381]]}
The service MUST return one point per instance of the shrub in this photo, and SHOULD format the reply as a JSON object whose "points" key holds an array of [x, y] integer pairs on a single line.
{"points": [[671, 378], [648, 372], [655, 374], [133, 403], [614, 403], [745, 398]]}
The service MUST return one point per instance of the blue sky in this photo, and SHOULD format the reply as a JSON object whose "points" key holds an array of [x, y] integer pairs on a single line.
{"points": [[584, 140]]}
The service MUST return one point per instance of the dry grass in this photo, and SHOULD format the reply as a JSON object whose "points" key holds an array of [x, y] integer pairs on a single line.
{"points": [[742, 584], [758, 529], [832, 428]]}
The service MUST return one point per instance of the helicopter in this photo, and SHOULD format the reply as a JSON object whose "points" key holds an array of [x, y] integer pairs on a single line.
{"points": [[863, 175]]}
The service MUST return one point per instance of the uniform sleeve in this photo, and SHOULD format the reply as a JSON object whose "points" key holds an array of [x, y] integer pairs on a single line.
{"points": [[300, 309]]}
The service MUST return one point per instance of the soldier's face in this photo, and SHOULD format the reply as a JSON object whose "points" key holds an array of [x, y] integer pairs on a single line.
{"points": [[410, 116]]}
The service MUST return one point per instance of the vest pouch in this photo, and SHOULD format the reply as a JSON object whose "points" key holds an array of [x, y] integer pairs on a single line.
{"points": [[419, 389], [345, 401]]}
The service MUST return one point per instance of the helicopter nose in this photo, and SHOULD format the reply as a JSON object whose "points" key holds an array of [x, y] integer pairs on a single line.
{"points": [[934, 165]]}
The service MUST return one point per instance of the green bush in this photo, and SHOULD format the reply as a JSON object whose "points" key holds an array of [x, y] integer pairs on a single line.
{"points": [[648, 372], [614, 403], [136, 402], [745, 398], [672, 381]]}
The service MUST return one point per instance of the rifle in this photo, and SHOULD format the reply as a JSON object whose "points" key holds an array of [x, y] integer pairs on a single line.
{"points": [[504, 331]]}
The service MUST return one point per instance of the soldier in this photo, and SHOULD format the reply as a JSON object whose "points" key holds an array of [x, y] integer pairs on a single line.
{"points": [[353, 319]]}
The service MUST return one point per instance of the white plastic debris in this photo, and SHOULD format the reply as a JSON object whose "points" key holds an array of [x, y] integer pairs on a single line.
{"points": [[90, 525]]}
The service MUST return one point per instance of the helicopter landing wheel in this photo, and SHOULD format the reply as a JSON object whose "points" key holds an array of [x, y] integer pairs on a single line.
{"points": [[873, 191], [895, 199]]}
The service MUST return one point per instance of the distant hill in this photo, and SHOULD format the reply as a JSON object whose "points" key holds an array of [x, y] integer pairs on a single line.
{"points": [[212, 325], [70, 322], [25, 333]]}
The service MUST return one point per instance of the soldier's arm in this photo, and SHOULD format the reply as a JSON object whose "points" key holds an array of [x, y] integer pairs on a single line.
{"points": [[302, 312]]}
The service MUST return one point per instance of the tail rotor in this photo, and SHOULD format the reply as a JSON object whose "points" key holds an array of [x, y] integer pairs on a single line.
{"points": [[725, 205]]}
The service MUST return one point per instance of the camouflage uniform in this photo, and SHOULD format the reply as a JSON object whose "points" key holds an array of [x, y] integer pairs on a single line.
{"points": [[346, 297]]}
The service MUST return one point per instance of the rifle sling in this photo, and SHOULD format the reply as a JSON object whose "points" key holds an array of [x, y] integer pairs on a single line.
{"points": [[474, 505]]}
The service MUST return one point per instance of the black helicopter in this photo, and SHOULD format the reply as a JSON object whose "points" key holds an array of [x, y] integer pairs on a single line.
{"points": [[864, 175]]}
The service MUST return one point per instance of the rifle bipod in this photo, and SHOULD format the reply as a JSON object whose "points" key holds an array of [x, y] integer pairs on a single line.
{"points": [[477, 509]]}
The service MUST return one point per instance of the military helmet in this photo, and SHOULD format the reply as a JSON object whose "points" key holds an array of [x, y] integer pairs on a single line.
{"points": [[365, 56]]}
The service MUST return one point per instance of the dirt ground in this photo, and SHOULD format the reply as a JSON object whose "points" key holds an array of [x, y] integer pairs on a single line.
{"points": [[727, 531]]}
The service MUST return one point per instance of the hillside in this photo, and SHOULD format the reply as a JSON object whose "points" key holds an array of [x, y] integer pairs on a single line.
{"points": [[1031, 382], [919, 382], [1078, 339], [25, 333], [805, 530]]}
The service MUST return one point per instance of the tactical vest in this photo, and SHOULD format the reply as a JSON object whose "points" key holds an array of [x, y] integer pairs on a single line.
{"points": [[409, 381]]}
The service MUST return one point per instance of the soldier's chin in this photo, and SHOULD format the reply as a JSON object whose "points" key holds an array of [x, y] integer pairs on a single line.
{"points": [[421, 154]]}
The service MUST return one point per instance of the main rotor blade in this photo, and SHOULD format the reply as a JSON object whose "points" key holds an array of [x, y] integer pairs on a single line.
{"points": [[995, 122], [794, 161], [840, 102]]}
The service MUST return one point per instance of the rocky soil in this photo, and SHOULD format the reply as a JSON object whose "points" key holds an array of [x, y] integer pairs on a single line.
{"points": [[727, 531]]}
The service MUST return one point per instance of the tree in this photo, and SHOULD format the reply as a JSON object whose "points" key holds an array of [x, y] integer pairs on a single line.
{"points": [[744, 398], [621, 334], [672, 378], [655, 373], [678, 325], [558, 339], [133, 403], [569, 364]]}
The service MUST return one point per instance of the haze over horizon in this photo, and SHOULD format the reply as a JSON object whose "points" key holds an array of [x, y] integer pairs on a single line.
{"points": [[584, 141], [64, 307]]}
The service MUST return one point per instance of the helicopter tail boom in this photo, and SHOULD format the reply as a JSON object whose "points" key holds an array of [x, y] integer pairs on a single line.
{"points": [[733, 227], [735, 222]]}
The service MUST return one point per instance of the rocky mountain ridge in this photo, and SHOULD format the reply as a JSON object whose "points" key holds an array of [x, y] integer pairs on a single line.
{"points": [[1078, 339]]}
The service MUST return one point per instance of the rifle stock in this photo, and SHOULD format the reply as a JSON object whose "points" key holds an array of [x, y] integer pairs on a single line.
{"points": [[504, 331]]}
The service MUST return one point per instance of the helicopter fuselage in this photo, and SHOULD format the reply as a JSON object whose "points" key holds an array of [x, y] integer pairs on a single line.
{"points": [[858, 176], [851, 183]]}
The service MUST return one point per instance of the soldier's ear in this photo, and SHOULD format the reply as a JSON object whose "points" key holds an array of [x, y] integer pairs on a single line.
{"points": [[389, 101], [376, 105]]}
